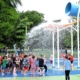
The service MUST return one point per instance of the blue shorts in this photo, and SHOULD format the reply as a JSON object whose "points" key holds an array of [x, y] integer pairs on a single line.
{"points": [[3, 68]]}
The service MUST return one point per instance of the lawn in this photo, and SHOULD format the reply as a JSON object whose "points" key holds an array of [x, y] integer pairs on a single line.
{"points": [[46, 52], [73, 77]]}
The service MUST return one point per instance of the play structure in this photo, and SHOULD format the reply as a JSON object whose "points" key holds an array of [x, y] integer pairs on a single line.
{"points": [[72, 10]]}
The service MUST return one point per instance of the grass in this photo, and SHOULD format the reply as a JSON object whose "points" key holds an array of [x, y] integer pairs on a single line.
{"points": [[72, 77], [46, 52]]}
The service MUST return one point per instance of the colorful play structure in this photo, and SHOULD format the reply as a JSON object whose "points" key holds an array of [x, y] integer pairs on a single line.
{"points": [[72, 10]]}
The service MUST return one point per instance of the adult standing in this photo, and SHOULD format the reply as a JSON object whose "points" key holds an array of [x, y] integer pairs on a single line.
{"points": [[18, 51], [66, 51], [6, 50]]}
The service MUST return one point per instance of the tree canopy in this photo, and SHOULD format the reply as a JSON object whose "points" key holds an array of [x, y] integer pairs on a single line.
{"points": [[8, 18], [26, 21], [14, 25]]}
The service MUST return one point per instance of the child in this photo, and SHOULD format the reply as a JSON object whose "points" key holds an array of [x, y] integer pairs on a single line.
{"points": [[25, 64], [63, 55], [67, 68], [14, 64], [4, 62], [51, 60], [70, 58], [0, 63], [33, 65], [41, 65]]}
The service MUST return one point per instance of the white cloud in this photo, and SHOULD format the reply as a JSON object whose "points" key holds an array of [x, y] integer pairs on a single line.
{"points": [[53, 9]]}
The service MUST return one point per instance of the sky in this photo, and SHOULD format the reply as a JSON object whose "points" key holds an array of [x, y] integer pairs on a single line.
{"points": [[52, 9]]}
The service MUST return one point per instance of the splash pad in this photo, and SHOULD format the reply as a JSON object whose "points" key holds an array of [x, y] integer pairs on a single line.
{"points": [[57, 27], [72, 10], [56, 62]]}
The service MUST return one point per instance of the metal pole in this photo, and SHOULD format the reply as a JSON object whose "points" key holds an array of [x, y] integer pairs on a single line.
{"points": [[72, 40], [78, 36], [58, 46], [53, 45]]}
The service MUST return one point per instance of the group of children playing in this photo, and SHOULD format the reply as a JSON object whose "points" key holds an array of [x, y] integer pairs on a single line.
{"points": [[30, 62], [24, 63]]}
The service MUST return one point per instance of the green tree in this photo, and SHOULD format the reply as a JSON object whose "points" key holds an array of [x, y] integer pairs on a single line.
{"points": [[8, 18], [21, 31], [13, 3], [25, 22], [35, 17]]}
